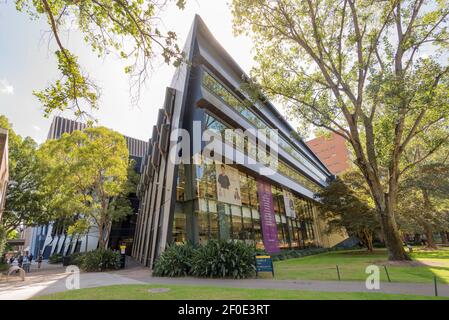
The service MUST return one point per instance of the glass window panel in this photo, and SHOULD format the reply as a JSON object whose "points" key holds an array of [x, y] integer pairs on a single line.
{"points": [[180, 185], [236, 211], [212, 206], [246, 212], [244, 189], [203, 227], [224, 221], [179, 228], [280, 235], [247, 231], [214, 225], [230, 99], [237, 227], [202, 205], [256, 214]]}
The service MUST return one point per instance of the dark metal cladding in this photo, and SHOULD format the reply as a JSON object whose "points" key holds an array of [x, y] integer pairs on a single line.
{"points": [[164, 141], [169, 101]]}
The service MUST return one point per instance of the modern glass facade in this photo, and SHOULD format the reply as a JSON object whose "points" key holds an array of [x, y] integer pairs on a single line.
{"points": [[199, 201], [218, 220]]}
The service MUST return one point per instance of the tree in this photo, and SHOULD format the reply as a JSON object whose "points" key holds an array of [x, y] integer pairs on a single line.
{"points": [[424, 202], [87, 174], [24, 200], [346, 205], [357, 68], [126, 28], [2, 242]]}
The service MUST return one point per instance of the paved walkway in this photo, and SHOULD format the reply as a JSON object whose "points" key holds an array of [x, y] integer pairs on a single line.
{"points": [[44, 282]]}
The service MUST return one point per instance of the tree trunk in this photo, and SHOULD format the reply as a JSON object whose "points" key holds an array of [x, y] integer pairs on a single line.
{"points": [[385, 205], [101, 243], [366, 238], [369, 241], [392, 238], [429, 235], [87, 238]]}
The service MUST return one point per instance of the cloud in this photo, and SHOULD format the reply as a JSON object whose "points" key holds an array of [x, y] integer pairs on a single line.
{"points": [[5, 87], [37, 128]]}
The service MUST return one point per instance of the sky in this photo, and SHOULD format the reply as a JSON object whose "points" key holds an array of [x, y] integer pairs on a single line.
{"points": [[27, 63]]}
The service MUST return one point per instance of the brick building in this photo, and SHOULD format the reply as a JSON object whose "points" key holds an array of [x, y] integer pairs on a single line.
{"points": [[332, 151]]}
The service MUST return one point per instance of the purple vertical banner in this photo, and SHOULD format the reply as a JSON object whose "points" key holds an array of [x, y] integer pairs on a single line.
{"points": [[266, 209]]}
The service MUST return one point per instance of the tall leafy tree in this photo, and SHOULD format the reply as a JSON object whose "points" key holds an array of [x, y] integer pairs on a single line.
{"points": [[358, 68], [130, 29], [87, 174], [346, 204], [24, 199], [424, 196]]}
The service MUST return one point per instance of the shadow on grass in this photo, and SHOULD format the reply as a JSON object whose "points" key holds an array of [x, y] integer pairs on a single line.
{"points": [[352, 266]]}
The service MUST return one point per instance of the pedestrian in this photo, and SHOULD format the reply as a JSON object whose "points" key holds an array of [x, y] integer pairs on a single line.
{"points": [[20, 261], [39, 260], [30, 257], [26, 264], [11, 260]]}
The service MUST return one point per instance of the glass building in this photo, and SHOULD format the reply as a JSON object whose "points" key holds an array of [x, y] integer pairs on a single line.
{"points": [[195, 201]]}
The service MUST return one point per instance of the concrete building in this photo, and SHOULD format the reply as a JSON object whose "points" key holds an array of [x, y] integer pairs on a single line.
{"points": [[53, 238], [332, 151], [4, 171], [198, 200]]}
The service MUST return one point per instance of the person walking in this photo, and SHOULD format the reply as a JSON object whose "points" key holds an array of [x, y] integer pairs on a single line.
{"points": [[39, 260], [30, 257], [26, 264], [20, 261]]}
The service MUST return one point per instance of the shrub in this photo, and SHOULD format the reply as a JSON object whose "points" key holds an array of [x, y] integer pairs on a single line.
{"points": [[282, 257], [224, 259], [99, 260], [4, 267], [76, 258], [55, 258], [175, 261]]}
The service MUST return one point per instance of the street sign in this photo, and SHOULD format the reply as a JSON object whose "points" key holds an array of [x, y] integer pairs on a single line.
{"points": [[264, 264]]}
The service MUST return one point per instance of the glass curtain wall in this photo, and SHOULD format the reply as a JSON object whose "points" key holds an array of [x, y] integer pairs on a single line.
{"points": [[217, 220]]}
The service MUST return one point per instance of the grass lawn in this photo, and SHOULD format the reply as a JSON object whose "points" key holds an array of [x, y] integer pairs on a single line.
{"points": [[140, 292], [352, 265]]}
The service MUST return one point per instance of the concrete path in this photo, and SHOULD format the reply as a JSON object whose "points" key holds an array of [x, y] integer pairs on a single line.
{"points": [[144, 275], [51, 282], [48, 283]]}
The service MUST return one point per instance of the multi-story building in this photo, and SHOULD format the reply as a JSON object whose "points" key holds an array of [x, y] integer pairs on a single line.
{"points": [[4, 171], [52, 238], [200, 200], [332, 151]]}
